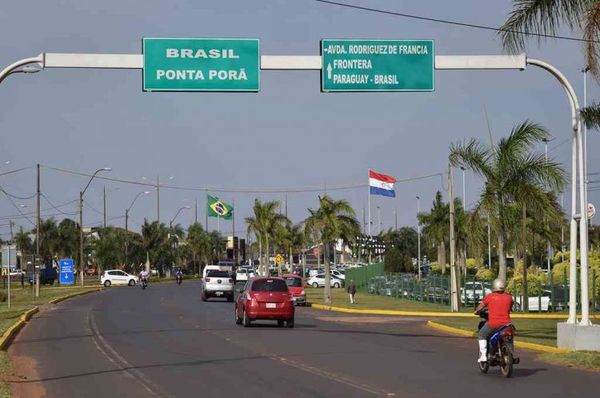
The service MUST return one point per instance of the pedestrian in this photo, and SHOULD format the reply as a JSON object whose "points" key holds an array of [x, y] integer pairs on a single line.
{"points": [[352, 291]]}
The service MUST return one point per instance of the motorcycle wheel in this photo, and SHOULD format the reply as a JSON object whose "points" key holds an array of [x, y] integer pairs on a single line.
{"points": [[506, 362]]}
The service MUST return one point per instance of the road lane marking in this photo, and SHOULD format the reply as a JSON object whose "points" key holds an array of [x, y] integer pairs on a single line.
{"points": [[121, 363]]}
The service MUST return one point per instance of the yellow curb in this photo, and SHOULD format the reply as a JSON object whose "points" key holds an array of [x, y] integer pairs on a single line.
{"points": [[12, 331], [68, 296], [520, 344], [435, 314]]}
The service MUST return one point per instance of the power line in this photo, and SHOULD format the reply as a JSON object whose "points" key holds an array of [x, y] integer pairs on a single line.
{"points": [[16, 196], [16, 207], [314, 188], [455, 23]]}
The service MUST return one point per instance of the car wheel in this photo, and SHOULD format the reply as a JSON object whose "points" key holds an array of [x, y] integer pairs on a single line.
{"points": [[203, 297], [238, 320], [290, 323], [246, 320], [106, 283], [131, 282], [315, 285], [280, 323], [336, 285]]}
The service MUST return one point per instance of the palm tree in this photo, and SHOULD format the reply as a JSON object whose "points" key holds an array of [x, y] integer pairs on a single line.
{"points": [[513, 175], [24, 244], [263, 225], [436, 225], [332, 221], [544, 17], [49, 240], [156, 243], [199, 244]]}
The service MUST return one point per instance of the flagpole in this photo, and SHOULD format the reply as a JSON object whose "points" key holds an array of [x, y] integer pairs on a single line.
{"points": [[233, 229], [369, 212], [206, 211]]}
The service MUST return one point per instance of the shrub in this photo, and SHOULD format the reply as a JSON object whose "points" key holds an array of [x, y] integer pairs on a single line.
{"points": [[484, 274], [3, 296]]}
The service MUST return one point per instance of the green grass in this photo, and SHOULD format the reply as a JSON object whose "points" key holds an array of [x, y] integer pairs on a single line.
{"points": [[22, 300], [539, 331], [580, 359], [367, 301]]}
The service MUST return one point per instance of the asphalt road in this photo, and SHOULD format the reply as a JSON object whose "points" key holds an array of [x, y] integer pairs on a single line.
{"points": [[165, 341]]}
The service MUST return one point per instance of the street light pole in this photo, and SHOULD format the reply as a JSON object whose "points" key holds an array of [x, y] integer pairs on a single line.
{"points": [[418, 237], [464, 194], [81, 193], [176, 214], [127, 221]]}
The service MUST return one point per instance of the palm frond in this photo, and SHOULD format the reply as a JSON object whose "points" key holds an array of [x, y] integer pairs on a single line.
{"points": [[591, 116], [472, 155], [539, 17], [591, 33]]}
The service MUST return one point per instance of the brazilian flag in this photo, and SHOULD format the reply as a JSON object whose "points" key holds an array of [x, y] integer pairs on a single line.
{"points": [[215, 207]]}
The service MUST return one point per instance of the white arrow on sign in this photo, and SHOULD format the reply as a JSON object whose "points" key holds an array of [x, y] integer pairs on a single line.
{"points": [[329, 69], [591, 210]]}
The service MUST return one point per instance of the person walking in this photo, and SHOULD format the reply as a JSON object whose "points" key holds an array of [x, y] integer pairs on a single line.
{"points": [[352, 291]]}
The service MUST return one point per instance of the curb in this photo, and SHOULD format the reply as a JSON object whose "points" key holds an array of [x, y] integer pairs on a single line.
{"points": [[68, 296], [520, 344], [435, 314], [12, 331]]}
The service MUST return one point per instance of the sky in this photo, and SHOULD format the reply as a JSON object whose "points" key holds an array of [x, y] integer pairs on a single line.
{"points": [[289, 136]]}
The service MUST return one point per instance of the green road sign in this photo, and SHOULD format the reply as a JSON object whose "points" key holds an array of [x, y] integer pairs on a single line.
{"points": [[201, 64], [377, 65]]}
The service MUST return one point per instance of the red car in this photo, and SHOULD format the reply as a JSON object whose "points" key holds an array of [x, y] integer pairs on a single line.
{"points": [[296, 287], [265, 299]]}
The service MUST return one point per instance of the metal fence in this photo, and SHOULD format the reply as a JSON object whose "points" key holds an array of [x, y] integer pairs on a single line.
{"points": [[362, 275], [551, 297]]}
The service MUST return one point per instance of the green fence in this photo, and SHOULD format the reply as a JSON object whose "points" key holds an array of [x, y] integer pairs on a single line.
{"points": [[362, 275], [551, 297]]}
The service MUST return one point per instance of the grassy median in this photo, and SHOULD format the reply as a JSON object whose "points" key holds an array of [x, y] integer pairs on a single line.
{"points": [[22, 300], [365, 301]]}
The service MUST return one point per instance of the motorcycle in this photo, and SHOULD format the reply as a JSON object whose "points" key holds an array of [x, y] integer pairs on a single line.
{"points": [[179, 279], [144, 283], [500, 348]]}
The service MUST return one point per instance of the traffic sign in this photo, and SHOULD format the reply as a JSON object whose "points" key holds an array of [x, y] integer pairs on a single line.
{"points": [[201, 64], [591, 210], [279, 259], [66, 276], [377, 65]]}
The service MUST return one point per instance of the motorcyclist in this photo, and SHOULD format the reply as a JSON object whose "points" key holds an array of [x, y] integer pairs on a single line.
{"points": [[499, 305], [143, 276], [178, 275]]}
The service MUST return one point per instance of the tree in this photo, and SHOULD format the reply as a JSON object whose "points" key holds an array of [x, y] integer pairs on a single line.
{"points": [[544, 17], [436, 225], [49, 240], [401, 249], [156, 243], [24, 244], [513, 176], [334, 220], [109, 249], [68, 235], [198, 242], [263, 225]]}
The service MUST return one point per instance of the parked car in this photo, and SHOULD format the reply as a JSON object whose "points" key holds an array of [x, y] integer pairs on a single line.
{"points": [[334, 272], [319, 281], [118, 277], [217, 283], [47, 276], [473, 292], [265, 298], [296, 287], [535, 301]]}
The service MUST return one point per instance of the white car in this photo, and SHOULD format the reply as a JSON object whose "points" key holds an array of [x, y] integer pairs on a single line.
{"points": [[472, 289], [217, 283], [535, 302], [243, 274], [118, 277], [335, 273], [319, 281]]}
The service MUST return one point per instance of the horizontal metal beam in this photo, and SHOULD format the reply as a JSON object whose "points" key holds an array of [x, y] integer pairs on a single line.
{"points": [[280, 62], [463, 62]]}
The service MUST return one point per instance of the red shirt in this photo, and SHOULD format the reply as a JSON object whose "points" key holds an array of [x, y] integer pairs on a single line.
{"points": [[499, 306]]}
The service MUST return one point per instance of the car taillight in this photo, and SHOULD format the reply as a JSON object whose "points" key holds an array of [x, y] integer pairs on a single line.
{"points": [[507, 332], [303, 293], [250, 297], [206, 279]]}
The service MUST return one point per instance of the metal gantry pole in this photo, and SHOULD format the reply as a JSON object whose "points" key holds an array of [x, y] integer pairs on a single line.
{"points": [[419, 238], [37, 236]]}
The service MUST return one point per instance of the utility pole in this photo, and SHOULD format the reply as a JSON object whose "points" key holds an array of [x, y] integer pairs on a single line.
{"points": [[524, 297], [454, 302], [548, 244], [37, 236], [157, 200], [418, 237], [81, 235], [464, 189], [104, 197]]}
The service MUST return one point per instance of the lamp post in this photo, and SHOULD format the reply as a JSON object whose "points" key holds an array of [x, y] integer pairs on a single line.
{"points": [[173, 219], [418, 237], [81, 193], [127, 210], [464, 189]]}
